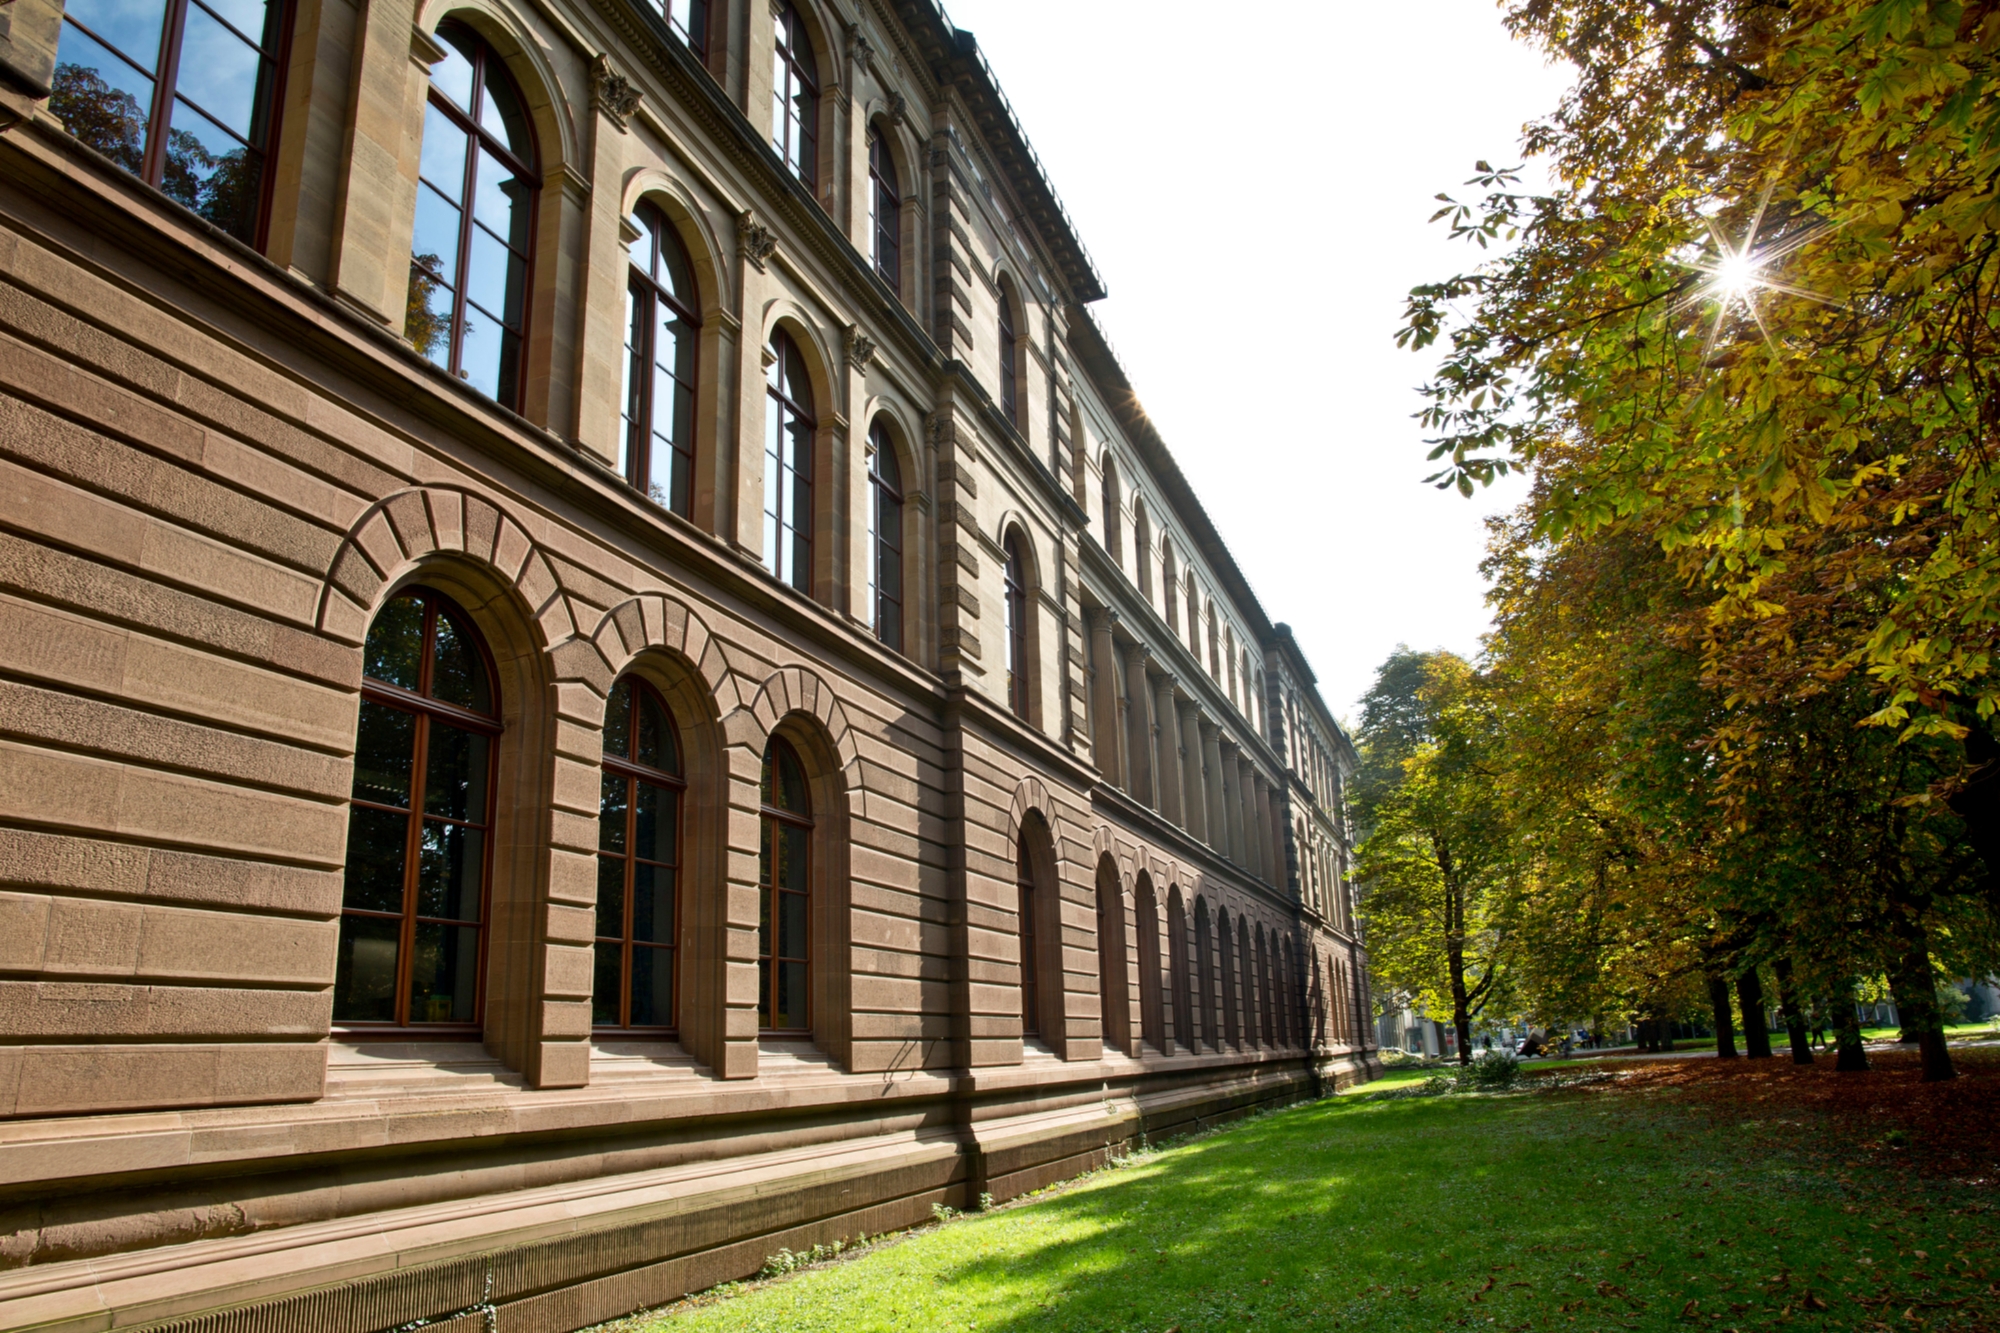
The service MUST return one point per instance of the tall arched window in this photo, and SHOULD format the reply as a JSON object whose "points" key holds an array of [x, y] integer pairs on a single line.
{"points": [[1015, 579], [1177, 969], [638, 863], [1142, 546], [1010, 389], [1111, 984], [1204, 963], [419, 832], [468, 304], [1246, 981], [1231, 1027], [1024, 886], [795, 97], [1151, 1023], [885, 211], [788, 465], [885, 545], [1169, 588], [1267, 1018], [1227, 651], [1194, 614], [784, 877], [182, 94], [1113, 512], [662, 337]]}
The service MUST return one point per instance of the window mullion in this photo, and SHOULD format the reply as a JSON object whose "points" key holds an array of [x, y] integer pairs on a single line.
{"points": [[413, 844], [166, 73]]}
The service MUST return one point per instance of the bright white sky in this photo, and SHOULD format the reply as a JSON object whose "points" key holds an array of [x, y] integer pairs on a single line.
{"points": [[1253, 183]]}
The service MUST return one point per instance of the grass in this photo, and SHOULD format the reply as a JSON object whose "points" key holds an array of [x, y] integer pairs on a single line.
{"points": [[1685, 1195]]}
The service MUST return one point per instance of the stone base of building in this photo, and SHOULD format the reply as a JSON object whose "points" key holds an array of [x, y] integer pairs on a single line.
{"points": [[553, 1258]]}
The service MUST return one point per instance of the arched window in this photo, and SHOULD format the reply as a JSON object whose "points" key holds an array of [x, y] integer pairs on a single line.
{"points": [[1142, 546], [1266, 1025], [1221, 648], [885, 545], [1015, 579], [795, 97], [1194, 615], [788, 465], [1247, 712], [1111, 984], [1024, 884], [419, 832], [1010, 389], [689, 21], [1246, 982], [1113, 512], [1204, 962], [885, 211], [1231, 1028], [469, 284], [784, 878], [639, 855], [1169, 589], [1177, 970], [183, 95], [1151, 1024], [662, 337]]}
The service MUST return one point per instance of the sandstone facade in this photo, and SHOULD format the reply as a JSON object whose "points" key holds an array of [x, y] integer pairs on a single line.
{"points": [[1061, 828]]}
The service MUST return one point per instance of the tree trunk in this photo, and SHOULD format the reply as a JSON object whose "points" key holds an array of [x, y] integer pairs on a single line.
{"points": [[1851, 1056], [1718, 1000], [1916, 1001], [1756, 1022], [1795, 1021]]}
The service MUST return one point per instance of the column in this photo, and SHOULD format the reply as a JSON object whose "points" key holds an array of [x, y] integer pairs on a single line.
{"points": [[1216, 835], [1104, 697], [1194, 796], [1167, 736], [1246, 789], [1231, 842], [1139, 727]]}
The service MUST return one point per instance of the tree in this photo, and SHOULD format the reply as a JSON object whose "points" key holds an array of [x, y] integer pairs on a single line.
{"points": [[1753, 318], [1434, 862]]}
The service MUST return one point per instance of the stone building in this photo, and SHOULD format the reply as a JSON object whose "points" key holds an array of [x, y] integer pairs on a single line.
{"points": [[600, 671]]}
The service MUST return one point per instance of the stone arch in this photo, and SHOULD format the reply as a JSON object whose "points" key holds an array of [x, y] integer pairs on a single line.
{"points": [[822, 360], [528, 61], [797, 693], [690, 218], [399, 531]]}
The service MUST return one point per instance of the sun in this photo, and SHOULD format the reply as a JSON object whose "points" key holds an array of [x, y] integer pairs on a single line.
{"points": [[1737, 276]]}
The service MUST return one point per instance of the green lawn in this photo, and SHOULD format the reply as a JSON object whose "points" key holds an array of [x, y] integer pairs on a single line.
{"points": [[1579, 1209]]}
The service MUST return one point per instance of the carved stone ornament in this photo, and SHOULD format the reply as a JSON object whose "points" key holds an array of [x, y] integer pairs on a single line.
{"points": [[859, 49], [756, 239], [860, 347], [613, 92], [899, 108]]}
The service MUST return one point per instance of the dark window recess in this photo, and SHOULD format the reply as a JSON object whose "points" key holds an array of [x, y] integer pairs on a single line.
{"points": [[1010, 393], [1016, 607], [885, 567], [784, 878], [639, 855], [419, 830], [795, 97], [885, 211], [788, 466]]}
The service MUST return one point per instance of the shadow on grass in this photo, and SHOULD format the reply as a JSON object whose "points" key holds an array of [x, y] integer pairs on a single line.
{"points": [[1567, 1210]]}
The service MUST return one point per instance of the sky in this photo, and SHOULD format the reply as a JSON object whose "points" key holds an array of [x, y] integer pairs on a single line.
{"points": [[1254, 184]]}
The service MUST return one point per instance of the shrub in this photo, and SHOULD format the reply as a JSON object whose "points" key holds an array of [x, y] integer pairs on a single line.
{"points": [[1494, 1069]]}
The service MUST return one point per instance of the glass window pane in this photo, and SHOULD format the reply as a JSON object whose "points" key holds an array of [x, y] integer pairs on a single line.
{"points": [[764, 992], [458, 673], [611, 897], [383, 750], [482, 350], [444, 974], [791, 925], [652, 987], [640, 251], [604, 984], [427, 308], [652, 903], [451, 862], [210, 171], [364, 973], [377, 842], [452, 76], [618, 720], [493, 278], [611, 819], [791, 996], [252, 18], [130, 27], [395, 646], [790, 872], [102, 100], [500, 112], [656, 734], [442, 161], [455, 773], [219, 72], [633, 391], [654, 823]]}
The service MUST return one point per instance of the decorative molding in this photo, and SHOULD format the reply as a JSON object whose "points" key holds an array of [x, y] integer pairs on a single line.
{"points": [[859, 49], [860, 347], [756, 239], [612, 93], [899, 109], [425, 49]]}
